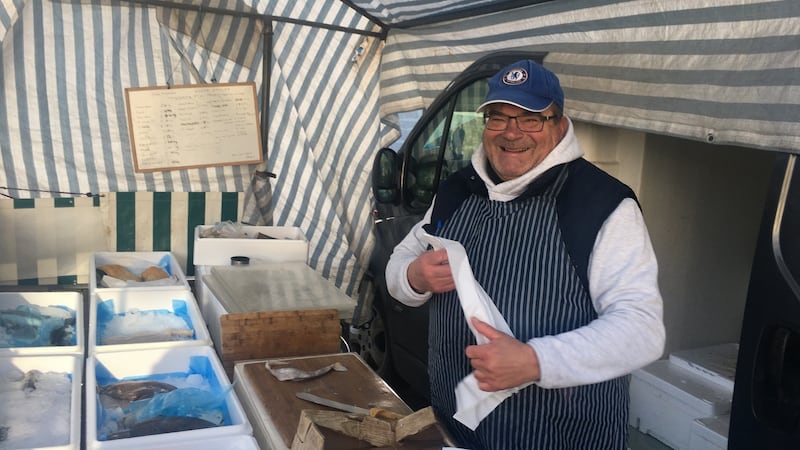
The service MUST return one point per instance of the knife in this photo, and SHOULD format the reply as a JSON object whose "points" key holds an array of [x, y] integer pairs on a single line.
{"points": [[374, 412]]}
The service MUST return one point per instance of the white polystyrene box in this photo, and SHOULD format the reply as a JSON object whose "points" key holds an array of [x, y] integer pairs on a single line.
{"points": [[136, 262], [51, 436], [212, 311], [200, 289], [155, 364], [180, 303], [73, 340], [285, 244], [717, 363], [238, 442], [665, 399], [710, 433]]}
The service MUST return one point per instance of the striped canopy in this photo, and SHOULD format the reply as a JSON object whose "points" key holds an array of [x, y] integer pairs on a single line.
{"points": [[336, 72]]}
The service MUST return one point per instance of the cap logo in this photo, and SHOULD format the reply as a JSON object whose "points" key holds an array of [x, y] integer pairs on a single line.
{"points": [[515, 76]]}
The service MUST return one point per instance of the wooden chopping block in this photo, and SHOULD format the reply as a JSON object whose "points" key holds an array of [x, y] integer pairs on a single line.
{"points": [[269, 334]]}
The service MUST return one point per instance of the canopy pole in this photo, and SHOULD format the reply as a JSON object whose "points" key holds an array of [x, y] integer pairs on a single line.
{"points": [[266, 69], [261, 189], [254, 15], [266, 72]]}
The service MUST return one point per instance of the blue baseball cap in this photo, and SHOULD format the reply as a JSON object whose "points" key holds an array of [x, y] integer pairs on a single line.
{"points": [[526, 84]]}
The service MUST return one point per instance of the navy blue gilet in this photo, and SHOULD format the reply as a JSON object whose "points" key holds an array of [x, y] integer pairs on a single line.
{"points": [[587, 198], [531, 256]]}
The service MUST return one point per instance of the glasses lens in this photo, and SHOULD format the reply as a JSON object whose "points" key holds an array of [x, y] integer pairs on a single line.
{"points": [[530, 123], [527, 123], [496, 122]]}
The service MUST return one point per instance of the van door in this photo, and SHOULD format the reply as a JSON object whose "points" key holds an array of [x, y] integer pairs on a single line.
{"points": [[766, 399]]}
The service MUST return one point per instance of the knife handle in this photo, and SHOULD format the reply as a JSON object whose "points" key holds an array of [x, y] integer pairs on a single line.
{"points": [[380, 413]]}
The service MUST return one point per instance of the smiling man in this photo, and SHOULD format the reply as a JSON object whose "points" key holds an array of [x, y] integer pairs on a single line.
{"points": [[562, 250]]}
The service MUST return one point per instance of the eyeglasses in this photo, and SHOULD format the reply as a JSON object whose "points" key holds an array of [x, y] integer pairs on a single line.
{"points": [[529, 123]]}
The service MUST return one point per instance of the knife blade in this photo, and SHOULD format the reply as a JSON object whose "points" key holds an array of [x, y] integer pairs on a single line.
{"points": [[309, 397]]}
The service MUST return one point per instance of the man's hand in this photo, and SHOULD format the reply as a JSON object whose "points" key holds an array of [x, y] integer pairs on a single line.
{"points": [[504, 362], [431, 272]]}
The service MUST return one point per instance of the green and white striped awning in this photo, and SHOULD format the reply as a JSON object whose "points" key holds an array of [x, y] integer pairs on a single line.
{"points": [[722, 71]]}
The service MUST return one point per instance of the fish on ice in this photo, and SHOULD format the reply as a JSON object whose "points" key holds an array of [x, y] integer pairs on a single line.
{"points": [[134, 390], [161, 425]]}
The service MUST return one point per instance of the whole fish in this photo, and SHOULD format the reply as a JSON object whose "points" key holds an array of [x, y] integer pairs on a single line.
{"points": [[32, 325], [161, 425], [22, 324], [168, 334], [63, 335], [295, 374], [134, 390], [183, 402], [61, 312], [56, 312]]}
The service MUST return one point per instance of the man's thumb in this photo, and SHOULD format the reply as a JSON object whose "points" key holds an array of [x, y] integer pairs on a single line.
{"points": [[485, 329]]}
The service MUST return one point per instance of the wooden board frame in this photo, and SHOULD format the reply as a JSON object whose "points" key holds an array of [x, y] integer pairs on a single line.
{"points": [[192, 126]]}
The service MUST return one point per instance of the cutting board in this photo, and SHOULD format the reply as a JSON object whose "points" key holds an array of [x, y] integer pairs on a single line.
{"points": [[274, 410]]}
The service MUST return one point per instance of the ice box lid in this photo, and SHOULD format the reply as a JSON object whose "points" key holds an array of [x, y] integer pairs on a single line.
{"points": [[276, 287]]}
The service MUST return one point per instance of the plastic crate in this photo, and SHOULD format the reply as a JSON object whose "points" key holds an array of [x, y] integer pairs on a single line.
{"points": [[53, 433], [136, 262], [286, 244], [239, 442], [198, 363], [710, 433], [666, 399], [717, 363], [71, 337], [178, 304]]}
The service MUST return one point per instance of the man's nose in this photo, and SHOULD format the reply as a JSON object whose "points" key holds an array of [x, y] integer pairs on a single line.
{"points": [[512, 128]]}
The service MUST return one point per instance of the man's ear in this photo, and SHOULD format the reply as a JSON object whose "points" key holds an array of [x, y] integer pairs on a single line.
{"points": [[563, 125]]}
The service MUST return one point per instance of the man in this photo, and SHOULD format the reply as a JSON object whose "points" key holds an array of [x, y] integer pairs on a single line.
{"points": [[458, 142], [562, 250]]}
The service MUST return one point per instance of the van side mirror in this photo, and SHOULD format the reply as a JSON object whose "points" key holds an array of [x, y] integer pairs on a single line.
{"points": [[385, 176]]}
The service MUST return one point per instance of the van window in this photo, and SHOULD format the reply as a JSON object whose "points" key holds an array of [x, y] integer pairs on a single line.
{"points": [[407, 121], [466, 128], [445, 144]]}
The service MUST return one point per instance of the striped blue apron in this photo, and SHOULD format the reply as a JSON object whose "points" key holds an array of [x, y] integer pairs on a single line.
{"points": [[518, 256]]}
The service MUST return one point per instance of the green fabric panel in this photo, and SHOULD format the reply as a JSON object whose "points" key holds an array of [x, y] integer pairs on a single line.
{"points": [[162, 210], [196, 216], [24, 203], [28, 282], [126, 221], [69, 280], [230, 207], [64, 202]]}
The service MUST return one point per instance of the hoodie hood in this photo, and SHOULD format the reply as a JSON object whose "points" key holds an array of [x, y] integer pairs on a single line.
{"points": [[567, 150]]}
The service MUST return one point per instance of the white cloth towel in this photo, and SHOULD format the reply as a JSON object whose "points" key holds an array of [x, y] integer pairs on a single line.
{"points": [[472, 403]]}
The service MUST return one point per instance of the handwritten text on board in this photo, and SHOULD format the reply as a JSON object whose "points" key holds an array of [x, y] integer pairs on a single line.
{"points": [[193, 126]]}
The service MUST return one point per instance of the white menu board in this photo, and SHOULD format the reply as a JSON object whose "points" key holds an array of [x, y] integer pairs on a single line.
{"points": [[189, 126]]}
